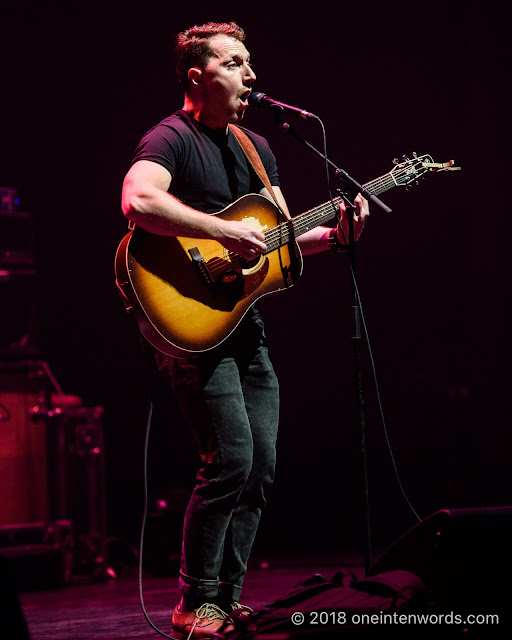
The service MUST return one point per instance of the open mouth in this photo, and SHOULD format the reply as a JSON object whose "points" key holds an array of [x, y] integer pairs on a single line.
{"points": [[244, 98]]}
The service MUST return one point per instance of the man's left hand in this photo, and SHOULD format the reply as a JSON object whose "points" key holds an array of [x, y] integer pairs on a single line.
{"points": [[360, 216]]}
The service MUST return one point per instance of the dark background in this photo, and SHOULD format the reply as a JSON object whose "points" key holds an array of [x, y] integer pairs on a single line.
{"points": [[82, 83]]}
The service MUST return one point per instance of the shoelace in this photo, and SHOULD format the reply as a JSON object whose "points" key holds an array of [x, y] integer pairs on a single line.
{"points": [[207, 610], [236, 606]]}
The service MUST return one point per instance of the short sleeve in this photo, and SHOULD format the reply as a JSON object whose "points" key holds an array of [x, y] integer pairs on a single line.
{"points": [[161, 144]]}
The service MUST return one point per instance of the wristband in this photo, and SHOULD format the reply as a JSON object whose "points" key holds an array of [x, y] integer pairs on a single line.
{"points": [[333, 242]]}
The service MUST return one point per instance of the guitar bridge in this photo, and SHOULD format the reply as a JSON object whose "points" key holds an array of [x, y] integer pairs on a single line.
{"points": [[201, 265]]}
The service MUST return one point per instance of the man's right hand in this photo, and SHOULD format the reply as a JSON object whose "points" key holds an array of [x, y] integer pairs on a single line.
{"points": [[241, 238]]}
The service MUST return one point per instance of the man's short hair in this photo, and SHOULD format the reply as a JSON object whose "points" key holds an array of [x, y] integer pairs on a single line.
{"points": [[192, 47]]}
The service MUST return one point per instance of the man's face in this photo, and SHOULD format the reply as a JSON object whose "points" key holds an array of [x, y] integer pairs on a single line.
{"points": [[226, 81]]}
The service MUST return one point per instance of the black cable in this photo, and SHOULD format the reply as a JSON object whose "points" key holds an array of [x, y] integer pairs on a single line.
{"points": [[150, 364], [367, 337], [379, 401], [144, 519]]}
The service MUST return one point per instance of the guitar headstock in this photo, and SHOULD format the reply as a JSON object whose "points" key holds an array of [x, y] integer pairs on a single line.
{"points": [[407, 171]]}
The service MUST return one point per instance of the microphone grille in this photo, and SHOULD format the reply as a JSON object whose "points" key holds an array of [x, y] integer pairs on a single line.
{"points": [[255, 97]]}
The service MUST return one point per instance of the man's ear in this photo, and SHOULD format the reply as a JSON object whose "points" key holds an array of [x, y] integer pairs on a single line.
{"points": [[195, 76]]}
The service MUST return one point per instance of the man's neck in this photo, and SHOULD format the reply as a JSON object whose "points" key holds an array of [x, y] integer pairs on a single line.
{"points": [[200, 113]]}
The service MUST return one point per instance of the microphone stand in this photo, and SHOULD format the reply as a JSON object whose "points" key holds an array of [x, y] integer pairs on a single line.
{"points": [[354, 187]]}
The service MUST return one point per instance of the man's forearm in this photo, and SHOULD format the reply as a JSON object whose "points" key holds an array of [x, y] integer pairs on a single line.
{"points": [[159, 212], [314, 241]]}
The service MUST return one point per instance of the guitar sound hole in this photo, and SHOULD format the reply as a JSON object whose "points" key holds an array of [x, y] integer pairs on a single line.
{"points": [[240, 264], [250, 264]]}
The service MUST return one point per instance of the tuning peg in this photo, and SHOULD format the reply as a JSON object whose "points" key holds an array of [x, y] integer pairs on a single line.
{"points": [[396, 161], [414, 154], [405, 158]]}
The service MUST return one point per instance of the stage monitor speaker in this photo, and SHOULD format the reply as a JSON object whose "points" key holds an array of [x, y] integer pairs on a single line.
{"points": [[463, 555]]}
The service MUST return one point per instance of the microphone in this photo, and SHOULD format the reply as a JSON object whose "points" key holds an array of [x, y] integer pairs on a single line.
{"points": [[261, 100]]}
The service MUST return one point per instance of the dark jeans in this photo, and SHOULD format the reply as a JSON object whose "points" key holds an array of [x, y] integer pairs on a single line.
{"points": [[230, 398]]}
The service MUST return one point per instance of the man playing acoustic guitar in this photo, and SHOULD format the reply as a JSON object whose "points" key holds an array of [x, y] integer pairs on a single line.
{"points": [[188, 166]]}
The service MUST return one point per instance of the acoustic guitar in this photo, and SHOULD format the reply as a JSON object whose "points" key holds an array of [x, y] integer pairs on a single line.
{"points": [[188, 295]]}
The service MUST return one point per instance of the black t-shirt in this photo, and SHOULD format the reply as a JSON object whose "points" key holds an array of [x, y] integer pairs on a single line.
{"points": [[209, 169]]}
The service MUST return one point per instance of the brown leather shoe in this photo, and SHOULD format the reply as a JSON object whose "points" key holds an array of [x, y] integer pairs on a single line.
{"points": [[203, 622]]}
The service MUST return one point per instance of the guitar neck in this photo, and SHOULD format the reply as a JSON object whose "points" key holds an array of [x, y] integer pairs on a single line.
{"points": [[291, 229]]}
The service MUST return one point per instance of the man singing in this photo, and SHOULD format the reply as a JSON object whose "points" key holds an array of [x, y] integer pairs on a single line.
{"points": [[187, 167]]}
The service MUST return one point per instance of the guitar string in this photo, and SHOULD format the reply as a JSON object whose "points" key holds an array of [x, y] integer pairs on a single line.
{"points": [[281, 233], [377, 186]]}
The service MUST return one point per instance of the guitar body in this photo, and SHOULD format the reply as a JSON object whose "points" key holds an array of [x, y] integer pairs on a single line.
{"points": [[188, 295]]}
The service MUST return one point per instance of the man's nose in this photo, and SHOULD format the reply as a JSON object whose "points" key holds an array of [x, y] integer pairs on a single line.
{"points": [[250, 75]]}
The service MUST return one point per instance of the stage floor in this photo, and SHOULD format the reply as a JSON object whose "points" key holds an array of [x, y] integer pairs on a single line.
{"points": [[112, 610]]}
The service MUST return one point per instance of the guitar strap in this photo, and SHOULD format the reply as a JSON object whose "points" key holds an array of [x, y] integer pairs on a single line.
{"points": [[254, 158]]}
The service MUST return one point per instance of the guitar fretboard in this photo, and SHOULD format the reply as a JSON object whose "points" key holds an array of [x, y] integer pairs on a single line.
{"points": [[281, 234]]}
